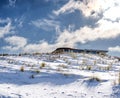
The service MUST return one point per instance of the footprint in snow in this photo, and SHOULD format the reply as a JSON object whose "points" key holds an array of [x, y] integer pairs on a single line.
{"points": [[18, 95], [69, 95]]}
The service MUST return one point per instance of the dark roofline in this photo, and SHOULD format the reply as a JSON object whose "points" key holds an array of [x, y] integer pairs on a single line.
{"points": [[79, 50]]}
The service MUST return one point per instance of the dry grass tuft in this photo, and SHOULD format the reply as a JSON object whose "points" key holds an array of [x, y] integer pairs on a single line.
{"points": [[119, 78], [22, 69], [42, 65]]}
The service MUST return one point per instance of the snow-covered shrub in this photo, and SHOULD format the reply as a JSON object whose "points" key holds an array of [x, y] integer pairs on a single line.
{"points": [[63, 66], [95, 78], [89, 67], [66, 74], [117, 80], [67, 61], [37, 71], [58, 69], [32, 65], [108, 67], [73, 55], [83, 61], [95, 62], [32, 76], [10, 61], [81, 67]]}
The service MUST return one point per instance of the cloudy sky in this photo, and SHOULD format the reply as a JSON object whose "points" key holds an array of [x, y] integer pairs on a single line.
{"points": [[44, 25]]}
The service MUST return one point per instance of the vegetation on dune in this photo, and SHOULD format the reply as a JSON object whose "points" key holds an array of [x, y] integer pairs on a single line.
{"points": [[22, 68], [42, 65], [119, 77]]}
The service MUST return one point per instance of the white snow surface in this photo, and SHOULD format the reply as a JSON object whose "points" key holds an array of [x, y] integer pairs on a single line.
{"points": [[69, 75]]}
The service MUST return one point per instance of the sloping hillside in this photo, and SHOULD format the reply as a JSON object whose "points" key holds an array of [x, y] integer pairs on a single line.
{"points": [[69, 75]]}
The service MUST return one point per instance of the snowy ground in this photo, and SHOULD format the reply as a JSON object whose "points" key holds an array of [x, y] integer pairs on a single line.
{"points": [[59, 76]]}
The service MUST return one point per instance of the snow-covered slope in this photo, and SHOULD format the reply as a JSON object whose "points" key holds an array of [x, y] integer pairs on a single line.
{"points": [[59, 76]]}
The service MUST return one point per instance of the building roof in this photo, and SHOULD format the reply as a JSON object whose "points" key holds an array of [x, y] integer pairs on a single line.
{"points": [[66, 49]]}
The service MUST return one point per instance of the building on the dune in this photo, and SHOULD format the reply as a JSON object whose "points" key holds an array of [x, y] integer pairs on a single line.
{"points": [[91, 51]]}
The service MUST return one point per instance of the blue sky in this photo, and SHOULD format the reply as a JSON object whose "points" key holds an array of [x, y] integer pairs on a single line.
{"points": [[44, 25]]}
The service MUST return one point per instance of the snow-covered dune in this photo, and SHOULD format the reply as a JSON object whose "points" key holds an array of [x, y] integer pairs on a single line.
{"points": [[59, 76]]}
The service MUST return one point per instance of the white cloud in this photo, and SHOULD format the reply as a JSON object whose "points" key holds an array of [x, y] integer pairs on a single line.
{"points": [[46, 24], [67, 38], [20, 21], [15, 43], [12, 3], [41, 47], [7, 28], [114, 49], [106, 28], [5, 20], [19, 44], [112, 13], [89, 6]]}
